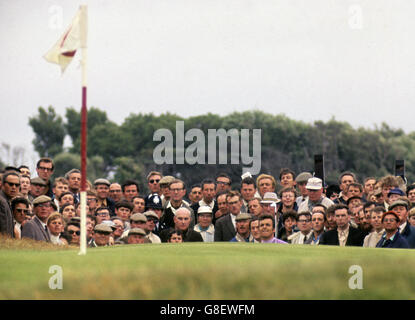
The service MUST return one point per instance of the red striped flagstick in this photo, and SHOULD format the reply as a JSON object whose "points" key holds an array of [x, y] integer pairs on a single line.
{"points": [[84, 119]]}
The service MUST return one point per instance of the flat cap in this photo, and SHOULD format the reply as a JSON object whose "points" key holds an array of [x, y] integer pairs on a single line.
{"points": [[38, 181], [392, 213], [398, 203], [396, 191], [103, 227], [151, 214], [41, 199], [243, 216], [138, 231], [138, 217], [166, 180], [303, 177], [102, 181]]}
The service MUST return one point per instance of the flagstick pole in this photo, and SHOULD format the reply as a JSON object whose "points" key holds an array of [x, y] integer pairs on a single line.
{"points": [[84, 119]]}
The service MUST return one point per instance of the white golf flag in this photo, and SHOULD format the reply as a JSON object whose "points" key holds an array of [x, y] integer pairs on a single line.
{"points": [[74, 37]]}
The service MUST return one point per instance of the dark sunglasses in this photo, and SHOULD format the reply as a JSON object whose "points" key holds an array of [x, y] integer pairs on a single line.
{"points": [[154, 180], [73, 231], [22, 210], [11, 184]]}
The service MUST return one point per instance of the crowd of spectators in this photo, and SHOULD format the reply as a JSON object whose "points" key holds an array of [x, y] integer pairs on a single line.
{"points": [[293, 209]]}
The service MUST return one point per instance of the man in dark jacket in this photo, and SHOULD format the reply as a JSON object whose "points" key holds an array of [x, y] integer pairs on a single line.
{"points": [[9, 189], [406, 230], [392, 237], [182, 222], [344, 234]]}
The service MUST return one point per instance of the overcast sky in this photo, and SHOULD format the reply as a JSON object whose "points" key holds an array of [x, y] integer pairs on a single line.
{"points": [[311, 60]]}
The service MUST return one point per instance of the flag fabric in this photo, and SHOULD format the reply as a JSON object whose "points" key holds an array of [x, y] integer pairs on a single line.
{"points": [[73, 38]]}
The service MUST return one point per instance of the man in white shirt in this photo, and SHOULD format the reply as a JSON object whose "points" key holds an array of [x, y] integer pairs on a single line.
{"points": [[205, 226]]}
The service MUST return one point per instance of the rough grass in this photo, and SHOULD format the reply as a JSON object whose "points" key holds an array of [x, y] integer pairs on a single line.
{"points": [[204, 271]]}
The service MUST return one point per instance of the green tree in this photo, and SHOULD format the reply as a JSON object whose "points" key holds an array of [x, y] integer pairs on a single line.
{"points": [[49, 132]]}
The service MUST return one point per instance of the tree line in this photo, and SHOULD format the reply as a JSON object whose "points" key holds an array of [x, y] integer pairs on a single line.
{"points": [[126, 151]]}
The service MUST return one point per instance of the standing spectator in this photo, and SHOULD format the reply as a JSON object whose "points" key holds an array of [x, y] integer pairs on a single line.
{"points": [[102, 190], [20, 208], [368, 186], [208, 196], [287, 177], [24, 170], [392, 237], [269, 205], [44, 169], [305, 229], [130, 189], [205, 226], [223, 182], [60, 185], [74, 183], [25, 187], [36, 228], [225, 227], [345, 179], [223, 208], [301, 182], [254, 207], [165, 188], [195, 194], [177, 192], [9, 189], [139, 204], [248, 191], [265, 183], [344, 235], [153, 182], [372, 239], [115, 192], [315, 196], [243, 233], [37, 187]]}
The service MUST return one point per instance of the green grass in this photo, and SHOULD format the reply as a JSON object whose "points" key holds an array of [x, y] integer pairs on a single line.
{"points": [[206, 271]]}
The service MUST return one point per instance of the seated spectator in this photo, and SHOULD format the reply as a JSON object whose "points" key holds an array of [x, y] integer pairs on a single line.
{"points": [[305, 229], [267, 230], [243, 233], [411, 217], [67, 211], [289, 220], [102, 234], [372, 239], [56, 227], [136, 236], [73, 230], [205, 226], [392, 237], [182, 222], [254, 228], [175, 236], [152, 219]]}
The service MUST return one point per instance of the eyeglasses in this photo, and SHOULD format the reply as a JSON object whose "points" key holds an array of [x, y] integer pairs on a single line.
{"points": [[115, 191], [91, 199], [101, 214], [74, 232], [11, 184], [176, 190], [44, 205], [304, 220], [389, 220], [154, 180], [44, 169], [22, 210]]}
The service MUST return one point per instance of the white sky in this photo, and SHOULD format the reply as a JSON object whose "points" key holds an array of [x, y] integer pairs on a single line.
{"points": [[311, 60]]}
